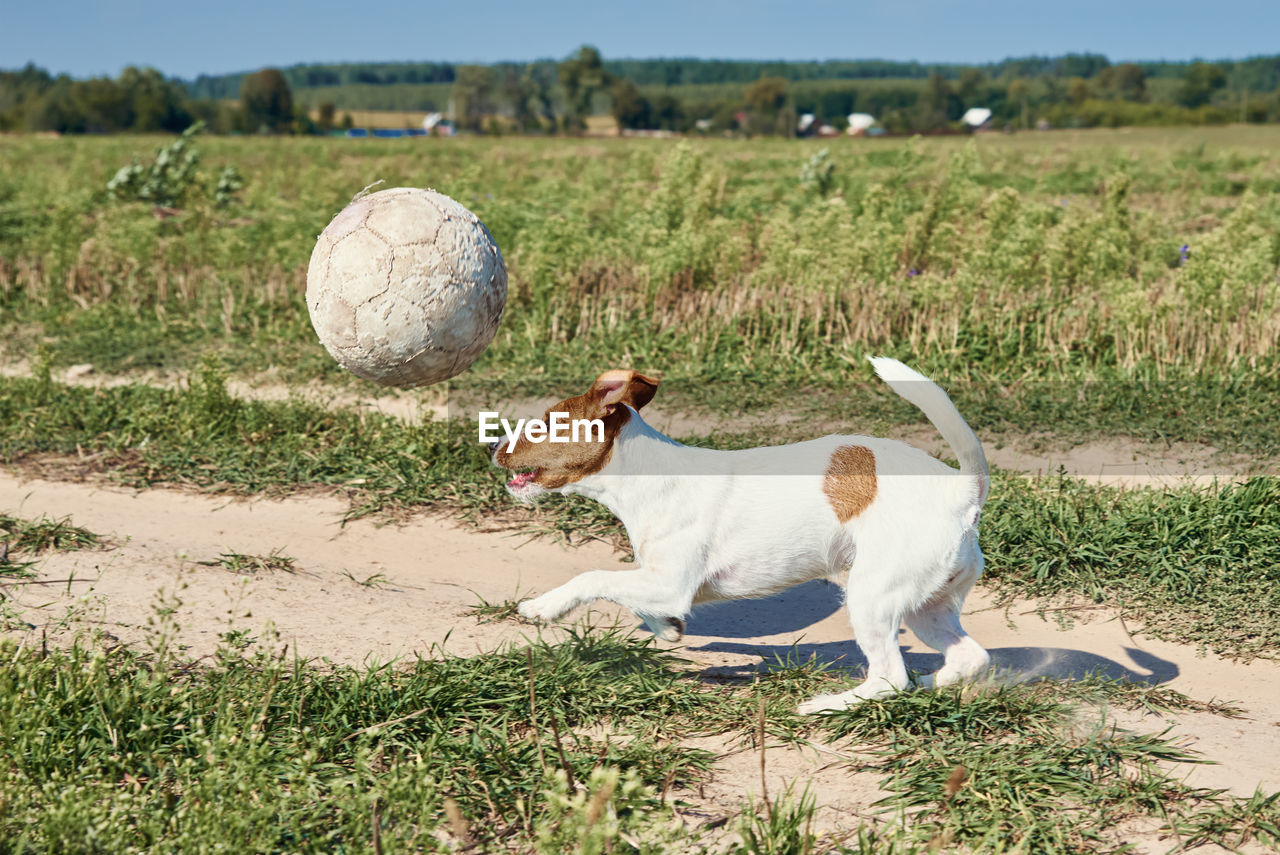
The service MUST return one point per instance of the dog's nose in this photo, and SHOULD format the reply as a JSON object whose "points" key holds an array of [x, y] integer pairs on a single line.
{"points": [[493, 448]]}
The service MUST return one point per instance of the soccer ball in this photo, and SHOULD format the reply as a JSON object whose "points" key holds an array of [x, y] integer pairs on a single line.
{"points": [[406, 287]]}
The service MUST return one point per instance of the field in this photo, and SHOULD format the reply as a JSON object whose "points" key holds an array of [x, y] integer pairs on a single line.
{"points": [[1104, 307]]}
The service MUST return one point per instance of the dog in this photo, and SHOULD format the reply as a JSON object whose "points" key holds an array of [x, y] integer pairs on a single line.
{"points": [[898, 525]]}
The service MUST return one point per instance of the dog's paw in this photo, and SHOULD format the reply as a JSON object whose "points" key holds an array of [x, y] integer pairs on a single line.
{"points": [[827, 703], [872, 689], [665, 628], [540, 609], [672, 629]]}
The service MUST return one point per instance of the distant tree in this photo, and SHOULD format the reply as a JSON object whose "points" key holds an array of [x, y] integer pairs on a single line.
{"points": [[102, 105], [472, 96], [970, 85], [940, 103], [766, 95], [765, 100], [302, 121], [1080, 65], [57, 109], [1128, 82], [537, 80], [582, 76], [1019, 90], [516, 93], [155, 104], [630, 109], [347, 122], [1199, 83], [1077, 91], [219, 117], [666, 112], [325, 116], [267, 100]]}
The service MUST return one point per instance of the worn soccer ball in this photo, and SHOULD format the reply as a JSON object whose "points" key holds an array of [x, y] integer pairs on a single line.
{"points": [[406, 287]]}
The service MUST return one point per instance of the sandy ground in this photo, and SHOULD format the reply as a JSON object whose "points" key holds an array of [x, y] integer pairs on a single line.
{"points": [[369, 593]]}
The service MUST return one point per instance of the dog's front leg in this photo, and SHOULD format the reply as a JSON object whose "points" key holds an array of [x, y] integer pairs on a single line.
{"points": [[661, 600]]}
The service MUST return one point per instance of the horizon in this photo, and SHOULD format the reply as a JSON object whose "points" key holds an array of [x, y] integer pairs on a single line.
{"points": [[1166, 60], [104, 38], [926, 63]]}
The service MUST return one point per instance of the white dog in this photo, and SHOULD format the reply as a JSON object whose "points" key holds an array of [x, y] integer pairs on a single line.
{"points": [[712, 525]]}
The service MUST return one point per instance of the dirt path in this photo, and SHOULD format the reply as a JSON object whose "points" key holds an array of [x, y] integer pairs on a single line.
{"points": [[364, 592]]}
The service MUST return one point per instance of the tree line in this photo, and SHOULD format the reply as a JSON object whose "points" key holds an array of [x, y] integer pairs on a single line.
{"points": [[687, 95], [142, 100], [1256, 73]]}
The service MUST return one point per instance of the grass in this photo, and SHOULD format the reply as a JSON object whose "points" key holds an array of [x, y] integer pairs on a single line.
{"points": [[487, 612], [28, 538], [1013, 767], [267, 755], [249, 565], [1021, 269], [377, 580], [547, 747], [1182, 563], [45, 534]]}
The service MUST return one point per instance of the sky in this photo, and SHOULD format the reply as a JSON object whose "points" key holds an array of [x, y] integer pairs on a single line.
{"points": [[184, 39]]}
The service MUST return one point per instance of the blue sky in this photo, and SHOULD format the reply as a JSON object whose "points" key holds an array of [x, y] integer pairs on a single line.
{"points": [[90, 37]]}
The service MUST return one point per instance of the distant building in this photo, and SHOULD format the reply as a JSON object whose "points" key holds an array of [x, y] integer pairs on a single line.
{"points": [[860, 124], [976, 117], [438, 125]]}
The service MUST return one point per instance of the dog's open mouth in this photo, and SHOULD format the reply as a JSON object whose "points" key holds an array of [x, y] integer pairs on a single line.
{"points": [[523, 478]]}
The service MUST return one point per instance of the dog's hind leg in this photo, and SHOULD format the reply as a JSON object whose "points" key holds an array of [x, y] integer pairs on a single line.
{"points": [[875, 602], [666, 628], [937, 624]]}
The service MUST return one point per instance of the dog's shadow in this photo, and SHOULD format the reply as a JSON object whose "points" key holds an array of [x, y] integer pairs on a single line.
{"points": [[804, 605], [790, 611]]}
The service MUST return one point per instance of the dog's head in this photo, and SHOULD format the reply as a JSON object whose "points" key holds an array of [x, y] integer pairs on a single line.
{"points": [[590, 425]]}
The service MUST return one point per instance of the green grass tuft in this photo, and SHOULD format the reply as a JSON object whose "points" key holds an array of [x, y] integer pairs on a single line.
{"points": [[248, 565]]}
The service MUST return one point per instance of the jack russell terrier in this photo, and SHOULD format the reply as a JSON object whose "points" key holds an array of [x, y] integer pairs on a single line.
{"points": [[712, 525]]}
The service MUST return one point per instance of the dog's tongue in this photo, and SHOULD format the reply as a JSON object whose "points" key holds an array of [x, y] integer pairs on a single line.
{"points": [[521, 479]]}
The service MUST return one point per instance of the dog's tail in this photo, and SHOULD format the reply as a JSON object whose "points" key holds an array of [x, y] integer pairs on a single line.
{"points": [[934, 403]]}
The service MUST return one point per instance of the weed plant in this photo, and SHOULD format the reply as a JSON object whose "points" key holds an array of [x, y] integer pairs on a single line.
{"points": [[22, 540]]}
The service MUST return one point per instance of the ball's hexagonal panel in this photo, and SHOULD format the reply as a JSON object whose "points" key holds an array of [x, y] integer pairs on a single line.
{"points": [[360, 267], [406, 287], [412, 218]]}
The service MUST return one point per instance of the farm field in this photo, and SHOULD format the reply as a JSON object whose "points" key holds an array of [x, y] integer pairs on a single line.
{"points": [[1104, 307]]}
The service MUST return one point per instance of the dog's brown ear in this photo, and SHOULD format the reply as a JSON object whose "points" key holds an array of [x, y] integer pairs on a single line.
{"points": [[623, 386]]}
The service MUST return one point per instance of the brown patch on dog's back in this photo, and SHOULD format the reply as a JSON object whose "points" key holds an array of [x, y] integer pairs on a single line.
{"points": [[850, 482]]}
